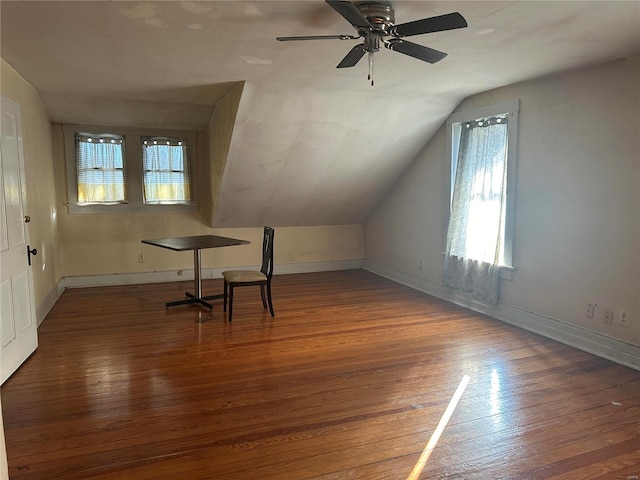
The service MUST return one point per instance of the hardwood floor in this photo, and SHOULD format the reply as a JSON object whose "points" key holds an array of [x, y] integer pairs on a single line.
{"points": [[348, 381]]}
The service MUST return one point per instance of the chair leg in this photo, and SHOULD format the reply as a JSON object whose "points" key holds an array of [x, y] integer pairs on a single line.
{"points": [[224, 308], [264, 300], [269, 298], [230, 301]]}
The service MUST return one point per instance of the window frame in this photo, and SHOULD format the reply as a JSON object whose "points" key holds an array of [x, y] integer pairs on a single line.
{"points": [[453, 129], [80, 139], [185, 171], [133, 171]]}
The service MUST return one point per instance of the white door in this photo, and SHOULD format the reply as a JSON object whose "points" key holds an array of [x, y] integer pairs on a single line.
{"points": [[17, 314]]}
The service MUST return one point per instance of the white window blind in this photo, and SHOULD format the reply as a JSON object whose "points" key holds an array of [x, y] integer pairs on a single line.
{"points": [[166, 175], [100, 169]]}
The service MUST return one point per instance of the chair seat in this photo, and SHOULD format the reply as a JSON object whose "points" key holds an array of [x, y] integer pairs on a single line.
{"points": [[240, 276]]}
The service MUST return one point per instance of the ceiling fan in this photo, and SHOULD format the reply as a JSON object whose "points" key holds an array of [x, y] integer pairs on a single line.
{"points": [[374, 22]]}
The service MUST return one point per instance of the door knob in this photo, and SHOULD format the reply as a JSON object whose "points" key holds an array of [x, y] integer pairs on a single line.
{"points": [[31, 251]]}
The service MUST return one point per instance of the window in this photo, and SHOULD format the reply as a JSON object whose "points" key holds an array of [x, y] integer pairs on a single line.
{"points": [[129, 170], [100, 169], [166, 170], [482, 145]]}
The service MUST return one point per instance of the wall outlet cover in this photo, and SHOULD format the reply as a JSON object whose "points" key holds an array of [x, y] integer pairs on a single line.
{"points": [[623, 318]]}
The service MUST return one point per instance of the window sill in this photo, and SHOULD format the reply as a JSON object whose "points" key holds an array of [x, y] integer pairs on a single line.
{"points": [[507, 272], [126, 208]]}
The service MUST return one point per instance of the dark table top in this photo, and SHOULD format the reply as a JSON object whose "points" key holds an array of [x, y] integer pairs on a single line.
{"points": [[196, 242]]}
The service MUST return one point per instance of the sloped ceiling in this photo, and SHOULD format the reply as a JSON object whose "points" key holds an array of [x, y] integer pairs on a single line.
{"points": [[312, 145]]}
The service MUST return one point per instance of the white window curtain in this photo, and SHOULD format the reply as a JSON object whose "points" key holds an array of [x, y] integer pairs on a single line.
{"points": [[166, 170], [100, 169], [475, 237]]}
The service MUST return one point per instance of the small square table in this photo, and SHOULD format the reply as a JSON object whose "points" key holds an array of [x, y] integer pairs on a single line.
{"points": [[195, 243]]}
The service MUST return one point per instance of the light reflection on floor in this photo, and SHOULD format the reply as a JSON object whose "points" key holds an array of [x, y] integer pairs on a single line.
{"points": [[494, 396], [435, 436]]}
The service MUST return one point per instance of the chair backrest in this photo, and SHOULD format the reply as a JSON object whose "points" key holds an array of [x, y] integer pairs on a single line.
{"points": [[267, 252]]}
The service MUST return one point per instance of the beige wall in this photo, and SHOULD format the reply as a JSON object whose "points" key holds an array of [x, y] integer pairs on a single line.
{"points": [[40, 186], [577, 221], [84, 245], [218, 137], [110, 244]]}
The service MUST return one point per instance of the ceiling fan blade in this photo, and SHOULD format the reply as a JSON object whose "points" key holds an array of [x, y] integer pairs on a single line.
{"points": [[350, 13], [450, 21], [354, 55], [318, 37], [414, 50]]}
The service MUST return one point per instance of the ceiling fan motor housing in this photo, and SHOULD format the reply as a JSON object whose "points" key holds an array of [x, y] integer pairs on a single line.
{"points": [[379, 15]]}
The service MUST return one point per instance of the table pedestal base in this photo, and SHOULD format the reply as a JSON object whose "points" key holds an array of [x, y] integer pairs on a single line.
{"points": [[193, 299]]}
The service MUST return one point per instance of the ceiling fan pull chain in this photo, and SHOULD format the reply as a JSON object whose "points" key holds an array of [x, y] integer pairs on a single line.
{"points": [[370, 77]]}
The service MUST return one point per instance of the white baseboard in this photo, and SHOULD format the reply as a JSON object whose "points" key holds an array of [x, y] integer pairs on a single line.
{"points": [[207, 273], [589, 341], [49, 301]]}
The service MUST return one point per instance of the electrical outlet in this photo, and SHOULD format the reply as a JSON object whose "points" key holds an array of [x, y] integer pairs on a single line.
{"points": [[141, 257], [623, 318], [588, 310], [607, 316]]}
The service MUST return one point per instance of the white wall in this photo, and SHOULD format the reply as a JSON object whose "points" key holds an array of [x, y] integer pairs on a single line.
{"points": [[577, 230]]}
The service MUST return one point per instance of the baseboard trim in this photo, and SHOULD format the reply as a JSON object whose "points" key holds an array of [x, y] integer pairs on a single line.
{"points": [[207, 273], [589, 341], [49, 301]]}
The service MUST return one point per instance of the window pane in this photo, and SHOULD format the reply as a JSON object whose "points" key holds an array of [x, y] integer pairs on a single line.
{"points": [[476, 229], [166, 170], [100, 168]]}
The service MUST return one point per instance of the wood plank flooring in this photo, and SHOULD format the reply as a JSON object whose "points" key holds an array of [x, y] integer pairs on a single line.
{"points": [[348, 381]]}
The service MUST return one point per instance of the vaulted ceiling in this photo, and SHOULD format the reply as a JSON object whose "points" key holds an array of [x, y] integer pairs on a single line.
{"points": [[312, 144]]}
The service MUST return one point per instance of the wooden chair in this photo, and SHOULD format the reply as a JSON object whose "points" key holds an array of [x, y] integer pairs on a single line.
{"points": [[242, 278]]}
